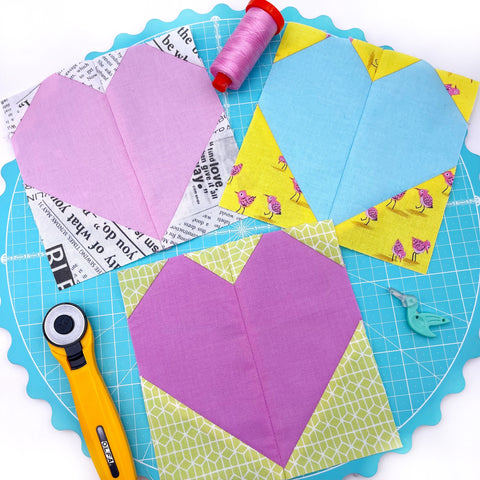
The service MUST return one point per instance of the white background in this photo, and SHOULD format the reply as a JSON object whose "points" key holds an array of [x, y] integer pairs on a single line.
{"points": [[40, 37]]}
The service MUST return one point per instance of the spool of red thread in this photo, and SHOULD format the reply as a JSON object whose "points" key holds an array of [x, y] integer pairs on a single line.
{"points": [[262, 21]]}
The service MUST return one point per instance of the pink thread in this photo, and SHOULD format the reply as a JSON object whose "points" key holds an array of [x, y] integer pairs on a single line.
{"points": [[244, 47]]}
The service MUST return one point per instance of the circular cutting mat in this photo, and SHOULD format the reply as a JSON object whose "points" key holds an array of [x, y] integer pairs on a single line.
{"points": [[417, 372]]}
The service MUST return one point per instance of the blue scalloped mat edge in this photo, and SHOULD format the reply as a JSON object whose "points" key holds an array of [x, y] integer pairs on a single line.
{"points": [[429, 414], [18, 353], [188, 17]]}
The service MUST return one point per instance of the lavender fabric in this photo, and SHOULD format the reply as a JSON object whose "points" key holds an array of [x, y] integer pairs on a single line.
{"points": [[255, 357], [126, 155]]}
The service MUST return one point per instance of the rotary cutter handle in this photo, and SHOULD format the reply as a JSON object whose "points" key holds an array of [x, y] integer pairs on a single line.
{"points": [[70, 339]]}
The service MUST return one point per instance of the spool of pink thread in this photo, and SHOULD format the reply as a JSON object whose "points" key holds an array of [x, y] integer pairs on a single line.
{"points": [[249, 40]]}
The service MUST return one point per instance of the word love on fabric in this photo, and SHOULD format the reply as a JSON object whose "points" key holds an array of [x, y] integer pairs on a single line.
{"points": [[123, 155], [232, 393]]}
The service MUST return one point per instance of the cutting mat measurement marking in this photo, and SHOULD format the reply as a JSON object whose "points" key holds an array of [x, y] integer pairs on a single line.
{"points": [[411, 366]]}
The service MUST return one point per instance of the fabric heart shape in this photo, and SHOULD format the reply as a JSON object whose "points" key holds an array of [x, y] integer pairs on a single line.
{"points": [[253, 357], [127, 154], [358, 124]]}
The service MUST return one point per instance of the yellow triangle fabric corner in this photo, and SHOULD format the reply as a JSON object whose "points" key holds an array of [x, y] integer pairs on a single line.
{"points": [[369, 54], [403, 229], [296, 37], [392, 62], [380, 62], [463, 91], [261, 184]]}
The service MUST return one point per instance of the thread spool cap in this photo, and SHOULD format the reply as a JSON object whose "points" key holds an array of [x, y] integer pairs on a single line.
{"points": [[271, 10], [221, 82]]}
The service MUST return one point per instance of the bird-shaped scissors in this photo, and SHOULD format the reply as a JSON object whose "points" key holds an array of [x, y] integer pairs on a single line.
{"points": [[418, 322]]}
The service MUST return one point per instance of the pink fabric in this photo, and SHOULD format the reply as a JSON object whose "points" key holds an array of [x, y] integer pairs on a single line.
{"points": [[126, 155], [253, 358]]}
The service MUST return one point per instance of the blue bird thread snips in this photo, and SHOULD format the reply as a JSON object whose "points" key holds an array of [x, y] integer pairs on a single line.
{"points": [[419, 322]]}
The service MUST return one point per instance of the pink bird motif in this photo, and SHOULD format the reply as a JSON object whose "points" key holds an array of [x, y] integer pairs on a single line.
{"points": [[370, 214], [244, 200], [235, 171], [283, 162], [449, 177], [274, 207], [419, 247], [426, 200], [395, 199], [297, 190], [451, 89], [398, 251]]}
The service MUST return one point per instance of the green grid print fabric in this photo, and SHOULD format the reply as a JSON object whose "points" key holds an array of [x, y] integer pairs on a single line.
{"points": [[320, 236], [135, 281], [352, 420], [227, 260]]}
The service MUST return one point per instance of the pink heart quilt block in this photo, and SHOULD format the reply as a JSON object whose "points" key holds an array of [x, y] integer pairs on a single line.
{"points": [[252, 357], [128, 154], [166, 111], [67, 145]]}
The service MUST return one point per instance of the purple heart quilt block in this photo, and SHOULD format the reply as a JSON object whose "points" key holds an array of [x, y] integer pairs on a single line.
{"points": [[255, 356]]}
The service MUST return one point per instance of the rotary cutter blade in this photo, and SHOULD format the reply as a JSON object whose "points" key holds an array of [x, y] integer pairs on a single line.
{"points": [[70, 339], [64, 326]]}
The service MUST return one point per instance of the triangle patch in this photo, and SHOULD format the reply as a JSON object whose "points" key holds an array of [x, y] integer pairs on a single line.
{"points": [[215, 260], [369, 55], [226, 261], [320, 236], [392, 62], [463, 91], [297, 37], [134, 283], [239, 252], [380, 62], [261, 184]]}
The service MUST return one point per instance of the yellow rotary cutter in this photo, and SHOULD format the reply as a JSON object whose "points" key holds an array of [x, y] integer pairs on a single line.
{"points": [[70, 339]]}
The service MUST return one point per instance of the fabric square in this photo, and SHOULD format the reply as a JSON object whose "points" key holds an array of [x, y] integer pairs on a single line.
{"points": [[132, 147], [251, 366], [342, 126]]}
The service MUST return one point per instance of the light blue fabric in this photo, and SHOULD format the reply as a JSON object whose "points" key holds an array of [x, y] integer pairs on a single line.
{"points": [[351, 143], [312, 102]]}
